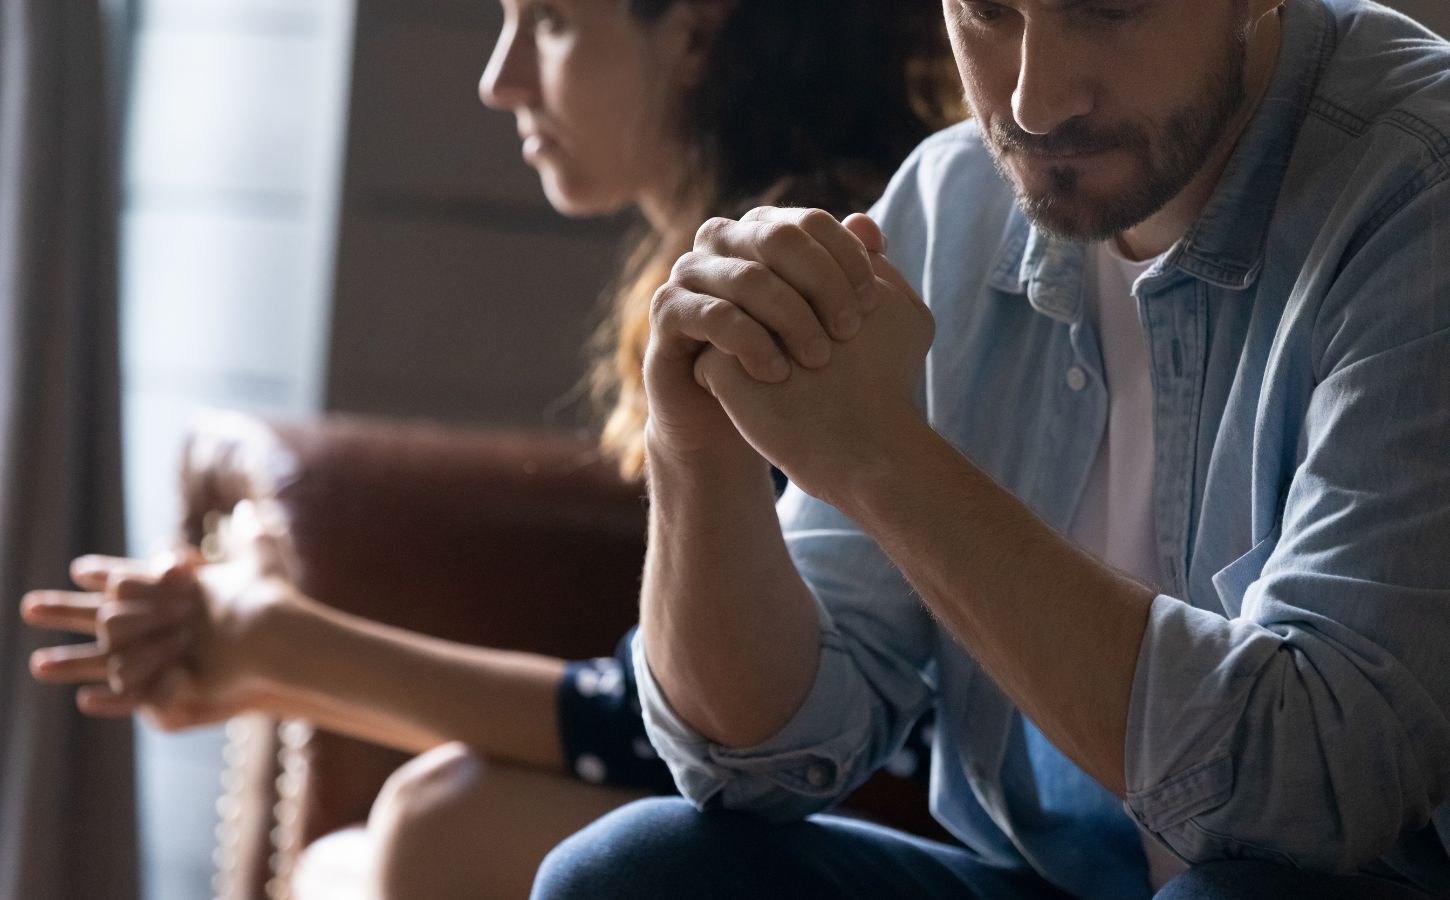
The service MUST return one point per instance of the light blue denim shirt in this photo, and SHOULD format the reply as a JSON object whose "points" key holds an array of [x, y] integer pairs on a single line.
{"points": [[1292, 696]]}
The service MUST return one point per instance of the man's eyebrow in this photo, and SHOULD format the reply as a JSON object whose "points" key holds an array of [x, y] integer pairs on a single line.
{"points": [[1064, 5], [1053, 5]]}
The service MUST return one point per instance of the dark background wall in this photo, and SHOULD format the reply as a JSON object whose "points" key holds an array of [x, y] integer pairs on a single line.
{"points": [[460, 294], [1434, 13]]}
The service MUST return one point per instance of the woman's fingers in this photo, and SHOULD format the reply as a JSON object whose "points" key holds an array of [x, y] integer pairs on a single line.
{"points": [[141, 636], [61, 610], [134, 672], [112, 683], [140, 616], [122, 624], [69, 664], [100, 701], [171, 588], [117, 623], [93, 572]]}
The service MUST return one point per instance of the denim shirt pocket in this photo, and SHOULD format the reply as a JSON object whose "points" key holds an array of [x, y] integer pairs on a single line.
{"points": [[1233, 580]]}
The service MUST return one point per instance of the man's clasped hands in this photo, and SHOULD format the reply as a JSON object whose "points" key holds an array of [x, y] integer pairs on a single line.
{"points": [[785, 336]]}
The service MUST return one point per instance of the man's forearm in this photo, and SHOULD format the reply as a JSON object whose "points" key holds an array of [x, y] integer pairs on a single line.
{"points": [[1059, 631], [408, 690], [731, 631]]}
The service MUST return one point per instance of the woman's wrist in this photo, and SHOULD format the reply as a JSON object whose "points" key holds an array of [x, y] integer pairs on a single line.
{"points": [[264, 628]]}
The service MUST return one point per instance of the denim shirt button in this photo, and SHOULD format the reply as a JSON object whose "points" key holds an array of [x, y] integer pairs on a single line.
{"points": [[1076, 378]]}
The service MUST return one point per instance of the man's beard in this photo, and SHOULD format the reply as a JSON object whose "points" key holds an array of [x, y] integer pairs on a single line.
{"points": [[1188, 139]]}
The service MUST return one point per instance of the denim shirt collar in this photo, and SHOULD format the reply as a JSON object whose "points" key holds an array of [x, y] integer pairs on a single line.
{"points": [[1225, 246]]}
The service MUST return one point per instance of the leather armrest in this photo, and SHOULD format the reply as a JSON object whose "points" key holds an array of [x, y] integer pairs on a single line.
{"points": [[523, 540]]}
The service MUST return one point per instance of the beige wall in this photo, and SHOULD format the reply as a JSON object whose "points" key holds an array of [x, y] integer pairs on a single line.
{"points": [[460, 294]]}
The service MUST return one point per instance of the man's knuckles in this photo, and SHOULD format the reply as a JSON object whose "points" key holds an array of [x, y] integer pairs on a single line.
{"points": [[711, 231], [764, 233], [816, 221], [802, 216], [777, 241]]}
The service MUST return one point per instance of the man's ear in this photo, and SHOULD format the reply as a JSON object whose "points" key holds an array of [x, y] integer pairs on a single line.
{"points": [[689, 29]]}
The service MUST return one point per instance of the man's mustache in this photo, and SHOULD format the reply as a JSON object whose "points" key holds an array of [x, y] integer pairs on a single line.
{"points": [[1071, 138]]}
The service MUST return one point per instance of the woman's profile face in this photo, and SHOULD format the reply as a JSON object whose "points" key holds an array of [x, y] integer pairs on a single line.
{"points": [[595, 93]]}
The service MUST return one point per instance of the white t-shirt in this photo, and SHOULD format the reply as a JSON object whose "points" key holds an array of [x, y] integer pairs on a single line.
{"points": [[1115, 521]]}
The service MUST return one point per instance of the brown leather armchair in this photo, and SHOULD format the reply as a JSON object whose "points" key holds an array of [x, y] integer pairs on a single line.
{"points": [[514, 539]]}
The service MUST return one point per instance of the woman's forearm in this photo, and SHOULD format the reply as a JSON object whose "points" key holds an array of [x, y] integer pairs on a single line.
{"points": [[408, 690], [352, 720]]}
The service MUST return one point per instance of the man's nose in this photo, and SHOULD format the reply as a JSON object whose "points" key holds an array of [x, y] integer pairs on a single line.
{"points": [[511, 79], [1051, 88]]}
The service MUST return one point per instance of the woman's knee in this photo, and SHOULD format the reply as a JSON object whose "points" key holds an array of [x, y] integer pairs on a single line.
{"points": [[419, 810], [659, 847]]}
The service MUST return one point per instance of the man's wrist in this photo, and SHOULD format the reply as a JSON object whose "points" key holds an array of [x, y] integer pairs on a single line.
{"points": [[870, 473], [722, 459]]}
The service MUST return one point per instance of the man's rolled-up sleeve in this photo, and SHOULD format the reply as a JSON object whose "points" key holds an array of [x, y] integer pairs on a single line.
{"points": [[1314, 728], [870, 686]]}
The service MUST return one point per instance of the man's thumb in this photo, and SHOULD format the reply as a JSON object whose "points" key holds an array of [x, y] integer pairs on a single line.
{"points": [[867, 232]]}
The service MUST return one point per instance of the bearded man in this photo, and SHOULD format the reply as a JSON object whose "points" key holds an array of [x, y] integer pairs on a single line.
{"points": [[1160, 524]]}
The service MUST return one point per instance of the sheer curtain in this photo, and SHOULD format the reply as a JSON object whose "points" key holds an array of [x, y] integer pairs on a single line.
{"points": [[67, 823]]}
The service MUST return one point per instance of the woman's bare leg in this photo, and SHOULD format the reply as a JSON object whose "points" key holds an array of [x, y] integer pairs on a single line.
{"points": [[449, 825]]}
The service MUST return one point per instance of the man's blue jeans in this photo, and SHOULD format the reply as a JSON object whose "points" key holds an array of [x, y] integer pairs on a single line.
{"points": [[663, 848]]}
